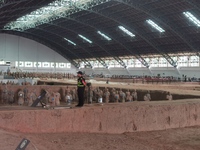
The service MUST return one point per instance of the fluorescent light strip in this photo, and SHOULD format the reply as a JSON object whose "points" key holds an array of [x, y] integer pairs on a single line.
{"points": [[155, 26], [126, 31], [70, 41], [84, 38], [105, 36], [192, 18]]}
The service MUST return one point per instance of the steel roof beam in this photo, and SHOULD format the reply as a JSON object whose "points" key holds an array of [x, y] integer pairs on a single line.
{"points": [[194, 3], [53, 33], [156, 16], [119, 60], [99, 45], [121, 22], [62, 5], [91, 4], [166, 56], [52, 41], [38, 38], [140, 58], [98, 58], [9, 2]]}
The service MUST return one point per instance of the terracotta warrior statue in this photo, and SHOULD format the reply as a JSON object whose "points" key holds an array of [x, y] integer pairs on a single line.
{"points": [[4, 95], [107, 96], [122, 96], [90, 95], [128, 96], [57, 98], [32, 97], [100, 95], [147, 96], [11, 95], [112, 94], [116, 96], [20, 97], [169, 96], [134, 95], [68, 98]]}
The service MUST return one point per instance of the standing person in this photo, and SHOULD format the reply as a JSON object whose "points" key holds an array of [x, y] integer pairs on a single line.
{"points": [[81, 88]]}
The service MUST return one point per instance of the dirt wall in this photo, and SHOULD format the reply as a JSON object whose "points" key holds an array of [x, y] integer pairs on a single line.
{"points": [[111, 118]]}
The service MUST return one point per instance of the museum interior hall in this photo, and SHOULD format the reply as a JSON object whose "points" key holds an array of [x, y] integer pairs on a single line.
{"points": [[139, 62]]}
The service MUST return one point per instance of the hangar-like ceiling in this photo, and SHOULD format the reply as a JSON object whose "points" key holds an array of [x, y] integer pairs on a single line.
{"points": [[88, 29]]}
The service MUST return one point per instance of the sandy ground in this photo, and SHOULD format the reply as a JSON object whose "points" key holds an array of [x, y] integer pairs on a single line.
{"points": [[173, 139]]}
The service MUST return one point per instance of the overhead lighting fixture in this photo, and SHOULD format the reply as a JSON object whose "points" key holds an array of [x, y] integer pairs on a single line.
{"points": [[70, 41], [155, 26], [126, 31], [192, 18], [84, 38], [105, 36]]}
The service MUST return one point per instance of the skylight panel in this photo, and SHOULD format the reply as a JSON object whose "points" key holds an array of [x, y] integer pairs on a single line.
{"points": [[84, 38], [70, 41], [126, 31], [105, 36], [45, 14], [155, 26], [192, 18]]}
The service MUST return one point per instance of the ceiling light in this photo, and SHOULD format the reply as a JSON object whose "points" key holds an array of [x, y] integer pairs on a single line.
{"points": [[155, 26], [192, 18], [105, 36], [70, 41], [84, 38], [126, 31]]}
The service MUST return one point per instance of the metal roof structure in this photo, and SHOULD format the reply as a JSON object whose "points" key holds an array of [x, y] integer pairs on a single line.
{"points": [[66, 26]]}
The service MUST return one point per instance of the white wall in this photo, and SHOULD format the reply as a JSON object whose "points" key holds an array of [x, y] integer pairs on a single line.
{"points": [[167, 71], [119, 71], [101, 71], [190, 71], [88, 71], [140, 71], [15, 48], [163, 71]]}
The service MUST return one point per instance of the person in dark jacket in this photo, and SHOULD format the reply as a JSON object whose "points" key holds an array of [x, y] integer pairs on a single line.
{"points": [[81, 84]]}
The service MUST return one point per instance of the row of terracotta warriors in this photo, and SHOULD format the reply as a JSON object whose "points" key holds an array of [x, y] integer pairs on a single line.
{"points": [[92, 94], [17, 75]]}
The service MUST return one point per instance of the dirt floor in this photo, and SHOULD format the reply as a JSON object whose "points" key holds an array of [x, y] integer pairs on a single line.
{"points": [[191, 88], [173, 139]]}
